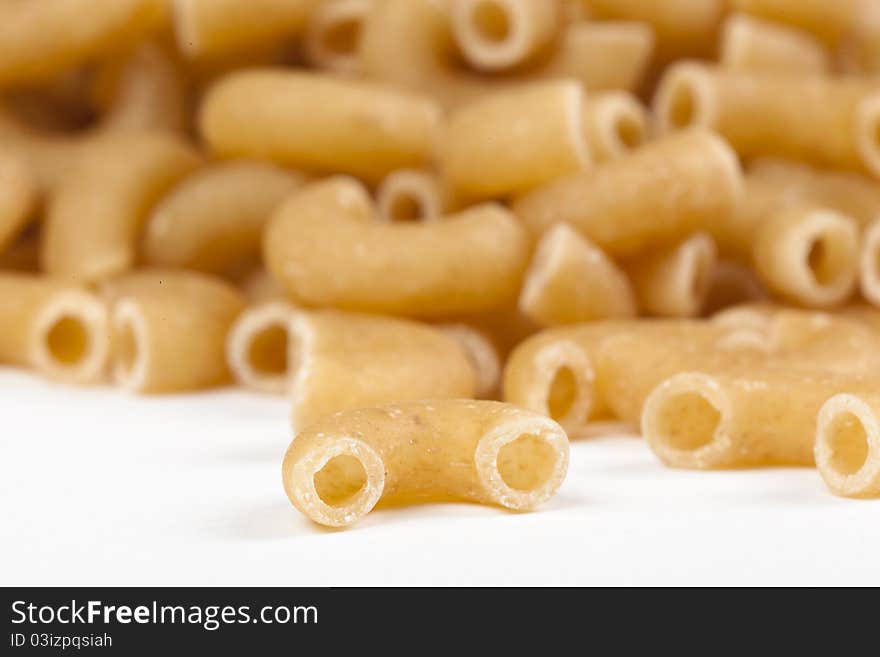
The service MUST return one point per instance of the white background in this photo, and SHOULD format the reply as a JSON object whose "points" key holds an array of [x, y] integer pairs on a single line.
{"points": [[102, 488]]}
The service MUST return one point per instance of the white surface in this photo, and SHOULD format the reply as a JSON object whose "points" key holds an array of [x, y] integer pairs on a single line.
{"points": [[101, 488]]}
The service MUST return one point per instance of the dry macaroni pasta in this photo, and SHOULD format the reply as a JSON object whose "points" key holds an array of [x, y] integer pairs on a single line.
{"points": [[847, 449], [751, 44], [411, 195]]}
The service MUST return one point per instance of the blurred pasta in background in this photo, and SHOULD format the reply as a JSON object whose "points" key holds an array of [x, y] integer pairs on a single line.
{"points": [[659, 212]]}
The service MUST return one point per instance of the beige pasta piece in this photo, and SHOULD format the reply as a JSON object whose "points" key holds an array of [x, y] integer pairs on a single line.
{"points": [[318, 122], [94, 221], [847, 449], [411, 195], [732, 284], [496, 35], [870, 263], [338, 469], [333, 34], [657, 195], [615, 123], [821, 120], [169, 330], [752, 44], [211, 28], [214, 219], [829, 20], [409, 43], [340, 361], [683, 27], [482, 354], [18, 198], [326, 248], [58, 329], [809, 255], [39, 39], [514, 140], [570, 281], [722, 418], [675, 281], [259, 348]]}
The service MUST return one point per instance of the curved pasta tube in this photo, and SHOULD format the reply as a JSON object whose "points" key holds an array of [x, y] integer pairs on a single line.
{"points": [[830, 21], [211, 28], [340, 361], [94, 220], [18, 198], [318, 122], [325, 249], [847, 449], [615, 123], [732, 284], [683, 27], [409, 43], [482, 354], [827, 121], [658, 194], [333, 34], [809, 255], [169, 330], [512, 141], [39, 39], [495, 35], [58, 329], [870, 263], [752, 44], [675, 282], [214, 219], [729, 419], [259, 348], [411, 195], [338, 469], [570, 280]]}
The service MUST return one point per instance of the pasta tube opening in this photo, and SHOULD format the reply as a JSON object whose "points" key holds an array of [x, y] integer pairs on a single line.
{"points": [[615, 123], [870, 263], [409, 195], [129, 346], [684, 99], [72, 337], [848, 446], [338, 469], [333, 34], [259, 348]]}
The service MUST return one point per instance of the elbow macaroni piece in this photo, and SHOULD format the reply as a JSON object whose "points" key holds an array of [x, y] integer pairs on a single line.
{"points": [[512, 141], [827, 121], [211, 28], [829, 20], [338, 469], [333, 34], [18, 198], [728, 419], [39, 39], [495, 35], [658, 194], [259, 348], [58, 329], [571, 281], [847, 450], [615, 123], [675, 282], [341, 361], [215, 218], [94, 220], [326, 248], [411, 195], [751, 44], [318, 122], [809, 255], [870, 263], [169, 330]]}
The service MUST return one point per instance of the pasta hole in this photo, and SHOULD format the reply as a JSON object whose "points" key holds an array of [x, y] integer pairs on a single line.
{"points": [[562, 393], [342, 38], [406, 208], [267, 352], [848, 442], [827, 260], [491, 21], [687, 421], [629, 131], [526, 463], [683, 107], [341, 479], [68, 340]]}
